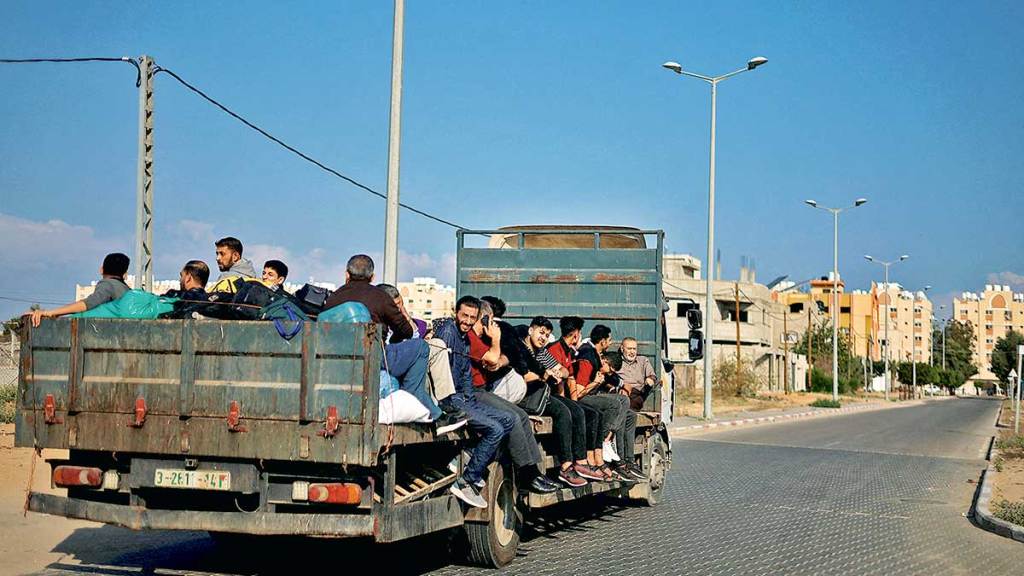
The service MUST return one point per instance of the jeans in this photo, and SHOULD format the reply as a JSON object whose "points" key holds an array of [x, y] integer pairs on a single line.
{"points": [[612, 411], [491, 424], [570, 428], [625, 433], [407, 362], [522, 445]]}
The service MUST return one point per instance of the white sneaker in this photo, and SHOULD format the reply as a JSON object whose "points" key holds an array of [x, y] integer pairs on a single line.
{"points": [[609, 452]]}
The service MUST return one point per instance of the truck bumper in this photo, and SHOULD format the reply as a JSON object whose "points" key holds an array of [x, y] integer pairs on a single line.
{"points": [[260, 523]]}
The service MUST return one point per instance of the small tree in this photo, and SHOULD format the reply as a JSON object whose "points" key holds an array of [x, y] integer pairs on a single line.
{"points": [[724, 379], [1004, 355]]}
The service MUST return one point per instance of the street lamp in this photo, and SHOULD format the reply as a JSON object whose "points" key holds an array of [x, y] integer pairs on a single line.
{"points": [[709, 297], [835, 286], [913, 343], [945, 323], [888, 305]]}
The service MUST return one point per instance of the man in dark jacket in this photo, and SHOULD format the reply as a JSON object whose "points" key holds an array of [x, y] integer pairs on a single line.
{"points": [[405, 359]]}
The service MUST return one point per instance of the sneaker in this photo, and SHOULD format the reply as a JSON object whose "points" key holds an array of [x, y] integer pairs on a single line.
{"points": [[468, 493], [542, 485], [570, 477], [447, 422], [609, 452], [623, 473], [454, 467], [636, 473], [588, 472]]}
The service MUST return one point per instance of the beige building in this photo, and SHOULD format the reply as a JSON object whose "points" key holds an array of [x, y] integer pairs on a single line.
{"points": [[992, 314], [426, 299], [758, 322], [862, 318]]}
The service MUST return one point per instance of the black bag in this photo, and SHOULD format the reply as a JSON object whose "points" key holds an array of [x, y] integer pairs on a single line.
{"points": [[312, 298], [536, 400]]}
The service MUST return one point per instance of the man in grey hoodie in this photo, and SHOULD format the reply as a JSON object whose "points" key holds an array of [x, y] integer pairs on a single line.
{"points": [[230, 261]]}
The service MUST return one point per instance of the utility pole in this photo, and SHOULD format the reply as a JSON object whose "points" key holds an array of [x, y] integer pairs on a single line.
{"points": [[737, 335], [394, 146], [810, 345], [1016, 416], [144, 180], [785, 348]]}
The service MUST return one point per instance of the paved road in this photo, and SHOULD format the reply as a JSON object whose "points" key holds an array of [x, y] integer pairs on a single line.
{"points": [[882, 492]]}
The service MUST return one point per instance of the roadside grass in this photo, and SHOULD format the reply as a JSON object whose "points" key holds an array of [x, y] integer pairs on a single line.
{"points": [[825, 403], [8, 393], [1010, 511]]}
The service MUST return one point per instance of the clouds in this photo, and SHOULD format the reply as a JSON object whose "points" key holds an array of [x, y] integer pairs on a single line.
{"points": [[1012, 279]]}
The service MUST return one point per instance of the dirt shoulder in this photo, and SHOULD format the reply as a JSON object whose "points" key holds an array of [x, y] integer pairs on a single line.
{"points": [[693, 404], [1007, 500]]}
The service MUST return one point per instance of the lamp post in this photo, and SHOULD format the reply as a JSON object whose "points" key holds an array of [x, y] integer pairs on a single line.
{"points": [[888, 305], [708, 280], [835, 286], [913, 344], [945, 323]]}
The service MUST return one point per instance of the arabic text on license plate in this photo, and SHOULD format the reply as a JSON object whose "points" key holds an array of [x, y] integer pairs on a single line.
{"points": [[195, 479]]}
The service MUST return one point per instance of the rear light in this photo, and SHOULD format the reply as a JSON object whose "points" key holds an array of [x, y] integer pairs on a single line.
{"points": [[339, 493], [111, 480], [66, 476]]}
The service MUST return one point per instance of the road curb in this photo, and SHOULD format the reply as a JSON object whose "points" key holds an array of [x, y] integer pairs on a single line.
{"points": [[983, 515], [679, 430]]}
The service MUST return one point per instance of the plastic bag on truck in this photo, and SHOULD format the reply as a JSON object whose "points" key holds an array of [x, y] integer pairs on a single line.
{"points": [[401, 407], [388, 384], [136, 304], [347, 313]]}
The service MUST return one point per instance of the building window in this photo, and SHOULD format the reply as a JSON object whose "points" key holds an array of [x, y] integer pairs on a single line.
{"points": [[730, 316], [844, 309], [796, 308]]}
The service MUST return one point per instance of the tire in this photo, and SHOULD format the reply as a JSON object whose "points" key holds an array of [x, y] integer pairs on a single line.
{"points": [[657, 470], [494, 544]]}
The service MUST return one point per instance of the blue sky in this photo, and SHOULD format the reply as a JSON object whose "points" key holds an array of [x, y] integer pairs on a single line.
{"points": [[527, 112]]}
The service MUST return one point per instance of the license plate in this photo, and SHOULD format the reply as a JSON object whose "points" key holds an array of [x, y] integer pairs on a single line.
{"points": [[194, 479]]}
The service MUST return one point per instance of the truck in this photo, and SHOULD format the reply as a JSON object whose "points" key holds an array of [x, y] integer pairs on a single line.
{"points": [[226, 426]]}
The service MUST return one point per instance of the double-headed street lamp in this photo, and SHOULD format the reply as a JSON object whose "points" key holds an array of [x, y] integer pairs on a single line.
{"points": [[888, 306], [835, 286], [711, 308]]}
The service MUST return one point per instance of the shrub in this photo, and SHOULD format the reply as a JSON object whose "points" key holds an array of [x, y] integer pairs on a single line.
{"points": [[825, 403], [1010, 511], [724, 379], [1011, 444], [8, 394], [822, 382]]}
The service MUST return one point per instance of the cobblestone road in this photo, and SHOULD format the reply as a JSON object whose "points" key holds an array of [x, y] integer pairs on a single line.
{"points": [[883, 492]]}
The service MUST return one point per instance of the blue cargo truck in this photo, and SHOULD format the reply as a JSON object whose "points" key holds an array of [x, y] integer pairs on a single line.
{"points": [[225, 426]]}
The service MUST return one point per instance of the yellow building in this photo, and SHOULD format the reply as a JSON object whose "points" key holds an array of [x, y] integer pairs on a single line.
{"points": [[426, 299], [992, 314], [862, 318]]}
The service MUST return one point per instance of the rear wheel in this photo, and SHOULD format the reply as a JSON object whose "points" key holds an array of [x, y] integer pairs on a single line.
{"points": [[657, 457], [495, 542]]}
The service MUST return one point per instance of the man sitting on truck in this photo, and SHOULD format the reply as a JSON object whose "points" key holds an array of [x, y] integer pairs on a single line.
{"points": [[491, 424], [110, 287], [487, 345], [563, 351], [586, 388], [192, 282], [274, 274], [568, 419], [230, 261], [406, 360], [637, 374]]}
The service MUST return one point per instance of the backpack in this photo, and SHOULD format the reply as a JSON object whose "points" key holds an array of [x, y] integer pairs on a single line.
{"points": [[281, 310], [312, 298]]}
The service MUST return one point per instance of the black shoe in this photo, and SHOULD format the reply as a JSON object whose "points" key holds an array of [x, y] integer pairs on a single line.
{"points": [[447, 422], [623, 473], [636, 473], [542, 485], [551, 482], [449, 408]]}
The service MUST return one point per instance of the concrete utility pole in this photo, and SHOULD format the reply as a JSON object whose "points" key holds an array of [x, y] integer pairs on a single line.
{"points": [[738, 359], [810, 345], [144, 180], [394, 147], [785, 350], [888, 307], [1016, 416], [712, 307]]}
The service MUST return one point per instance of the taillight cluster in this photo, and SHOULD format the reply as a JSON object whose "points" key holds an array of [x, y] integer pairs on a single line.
{"points": [[328, 493], [81, 476]]}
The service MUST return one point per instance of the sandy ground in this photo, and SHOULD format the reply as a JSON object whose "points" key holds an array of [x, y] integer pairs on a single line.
{"points": [[26, 541], [693, 405], [1008, 484]]}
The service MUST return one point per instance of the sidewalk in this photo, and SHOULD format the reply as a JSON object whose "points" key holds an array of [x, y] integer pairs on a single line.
{"points": [[688, 424]]}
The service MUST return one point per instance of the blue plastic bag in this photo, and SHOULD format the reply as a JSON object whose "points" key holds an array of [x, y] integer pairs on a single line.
{"points": [[348, 313], [136, 304]]}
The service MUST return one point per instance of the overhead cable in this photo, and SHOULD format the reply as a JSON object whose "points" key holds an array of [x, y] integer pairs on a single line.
{"points": [[132, 61], [300, 154]]}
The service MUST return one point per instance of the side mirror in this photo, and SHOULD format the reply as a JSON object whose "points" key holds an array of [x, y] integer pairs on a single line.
{"points": [[696, 345], [695, 318]]}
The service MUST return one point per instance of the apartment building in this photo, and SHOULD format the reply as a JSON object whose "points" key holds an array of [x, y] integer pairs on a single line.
{"points": [[992, 314], [426, 299]]}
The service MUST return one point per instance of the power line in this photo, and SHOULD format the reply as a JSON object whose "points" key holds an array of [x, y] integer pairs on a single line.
{"points": [[132, 61], [293, 150]]}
